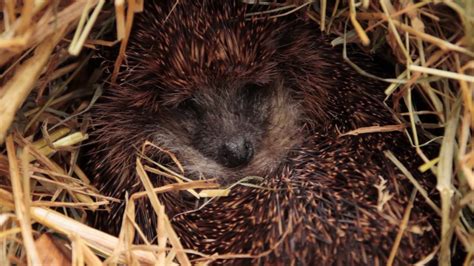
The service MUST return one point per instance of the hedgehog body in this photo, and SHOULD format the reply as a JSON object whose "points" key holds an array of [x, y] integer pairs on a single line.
{"points": [[234, 96]]}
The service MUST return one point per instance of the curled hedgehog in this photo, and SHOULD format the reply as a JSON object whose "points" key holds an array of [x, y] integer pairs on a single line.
{"points": [[235, 96]]}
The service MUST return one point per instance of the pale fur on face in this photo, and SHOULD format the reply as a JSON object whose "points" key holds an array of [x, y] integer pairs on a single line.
{"points": [[268, 116]]}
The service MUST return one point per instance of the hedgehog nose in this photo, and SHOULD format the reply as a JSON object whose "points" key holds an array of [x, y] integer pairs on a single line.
{"points": [[235, 152]]}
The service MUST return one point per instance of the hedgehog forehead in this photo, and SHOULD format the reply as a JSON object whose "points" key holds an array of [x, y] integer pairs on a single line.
{"points": [[195, 63], [192, 50]]}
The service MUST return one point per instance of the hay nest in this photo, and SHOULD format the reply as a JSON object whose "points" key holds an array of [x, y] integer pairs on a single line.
{"points": [[46, 91]]}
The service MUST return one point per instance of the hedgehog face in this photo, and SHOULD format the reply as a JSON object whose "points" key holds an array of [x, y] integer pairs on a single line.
{"points": [[225, 94], [230, 132], [229, 124]]}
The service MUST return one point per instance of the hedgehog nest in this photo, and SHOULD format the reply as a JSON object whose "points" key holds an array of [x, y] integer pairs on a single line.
{"points": [[47, 89]]}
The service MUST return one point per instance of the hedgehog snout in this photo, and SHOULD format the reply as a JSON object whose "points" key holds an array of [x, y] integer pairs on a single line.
{"points": [[235, 152]]}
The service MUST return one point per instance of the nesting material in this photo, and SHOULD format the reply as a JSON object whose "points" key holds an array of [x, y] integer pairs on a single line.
{"points": [[46, 92]]}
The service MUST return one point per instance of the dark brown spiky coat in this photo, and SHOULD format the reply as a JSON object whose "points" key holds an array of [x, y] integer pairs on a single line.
{"points": [[321, 207]]}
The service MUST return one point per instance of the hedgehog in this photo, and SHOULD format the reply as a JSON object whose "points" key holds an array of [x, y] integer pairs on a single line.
{"points": [[233, 95]]}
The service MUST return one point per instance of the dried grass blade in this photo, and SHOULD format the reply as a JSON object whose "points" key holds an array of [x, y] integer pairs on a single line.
{"points": [[45, 27], [159, 211], [165, 223], [21, 210], [94, 238], [373, 129], [441, 73], [123, 46], [412, 179], [445, 176], [89, 256], [443, 44], [401, 231], [76, 46], [357, 27], [120, 18], [17, 89]]}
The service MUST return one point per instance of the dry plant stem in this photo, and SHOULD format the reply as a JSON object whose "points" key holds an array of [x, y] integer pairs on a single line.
{"points": [[21, 210], [413, 120], [412, 179], [391, 15], [323, 6], [9, 11], [126, 233], [83, 31], [159, 211], [128, 222], [403, 226], [26, 16], [53, 166], [357, 27], [442, 44], [55, 93], [17, 89], [307, 3], [202, 184], [441, 73], [469, 259], [9, 232], [18, 32], [463, 154], [387, 9], [68, 141], [51, 137], [445, 176], [427, 259], [89, 256], [46, 26], [170, 154], [132, 8], [373, 129], [120, 18], [77, 255], [139, 4], [94, 238], [164, 225]]}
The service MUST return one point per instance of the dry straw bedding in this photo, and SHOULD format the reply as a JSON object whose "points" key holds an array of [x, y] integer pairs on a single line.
{"points": [[45, 97]]}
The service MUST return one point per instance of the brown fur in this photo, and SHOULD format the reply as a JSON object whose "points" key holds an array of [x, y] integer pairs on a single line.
{"points": [[321, 205]]}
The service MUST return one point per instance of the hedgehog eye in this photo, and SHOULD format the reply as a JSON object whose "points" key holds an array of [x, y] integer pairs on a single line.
{"points": [[252, 90], [188, 104]]}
